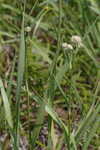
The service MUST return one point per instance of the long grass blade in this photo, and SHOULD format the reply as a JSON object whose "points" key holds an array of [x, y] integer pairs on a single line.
{"points": [[6, 103], [21, 66]]}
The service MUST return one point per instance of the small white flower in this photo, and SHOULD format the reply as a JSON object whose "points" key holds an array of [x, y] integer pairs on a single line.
{"points": [[28, 29], [77, 40], [67, 46]]}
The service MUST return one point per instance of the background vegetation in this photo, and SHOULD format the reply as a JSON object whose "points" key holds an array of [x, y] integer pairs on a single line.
{"points": [[50, 74]]}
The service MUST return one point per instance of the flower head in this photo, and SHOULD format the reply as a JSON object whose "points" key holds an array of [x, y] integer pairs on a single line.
{"points": [[67, 46], [77, 40], [28, 29]]}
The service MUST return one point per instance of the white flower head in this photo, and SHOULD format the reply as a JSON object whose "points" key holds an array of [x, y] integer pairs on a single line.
{"points": [[28, 29], [77, 40], [67, 46]]}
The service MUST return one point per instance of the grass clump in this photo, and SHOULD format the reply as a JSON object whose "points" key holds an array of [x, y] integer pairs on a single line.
{"points": [[50, 92]]}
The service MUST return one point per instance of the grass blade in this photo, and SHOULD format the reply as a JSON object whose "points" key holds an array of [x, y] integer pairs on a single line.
{"points": [[21, 65], [55, 117], [6, 106], [91, 116], [38, 124], [91, 133], [9, 89]]}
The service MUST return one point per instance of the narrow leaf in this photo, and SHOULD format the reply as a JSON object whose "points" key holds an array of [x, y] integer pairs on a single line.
{"points": [[6, 105]]}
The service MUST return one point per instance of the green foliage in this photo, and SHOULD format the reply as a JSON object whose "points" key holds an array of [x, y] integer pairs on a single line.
{"points": [[53, 70]]}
